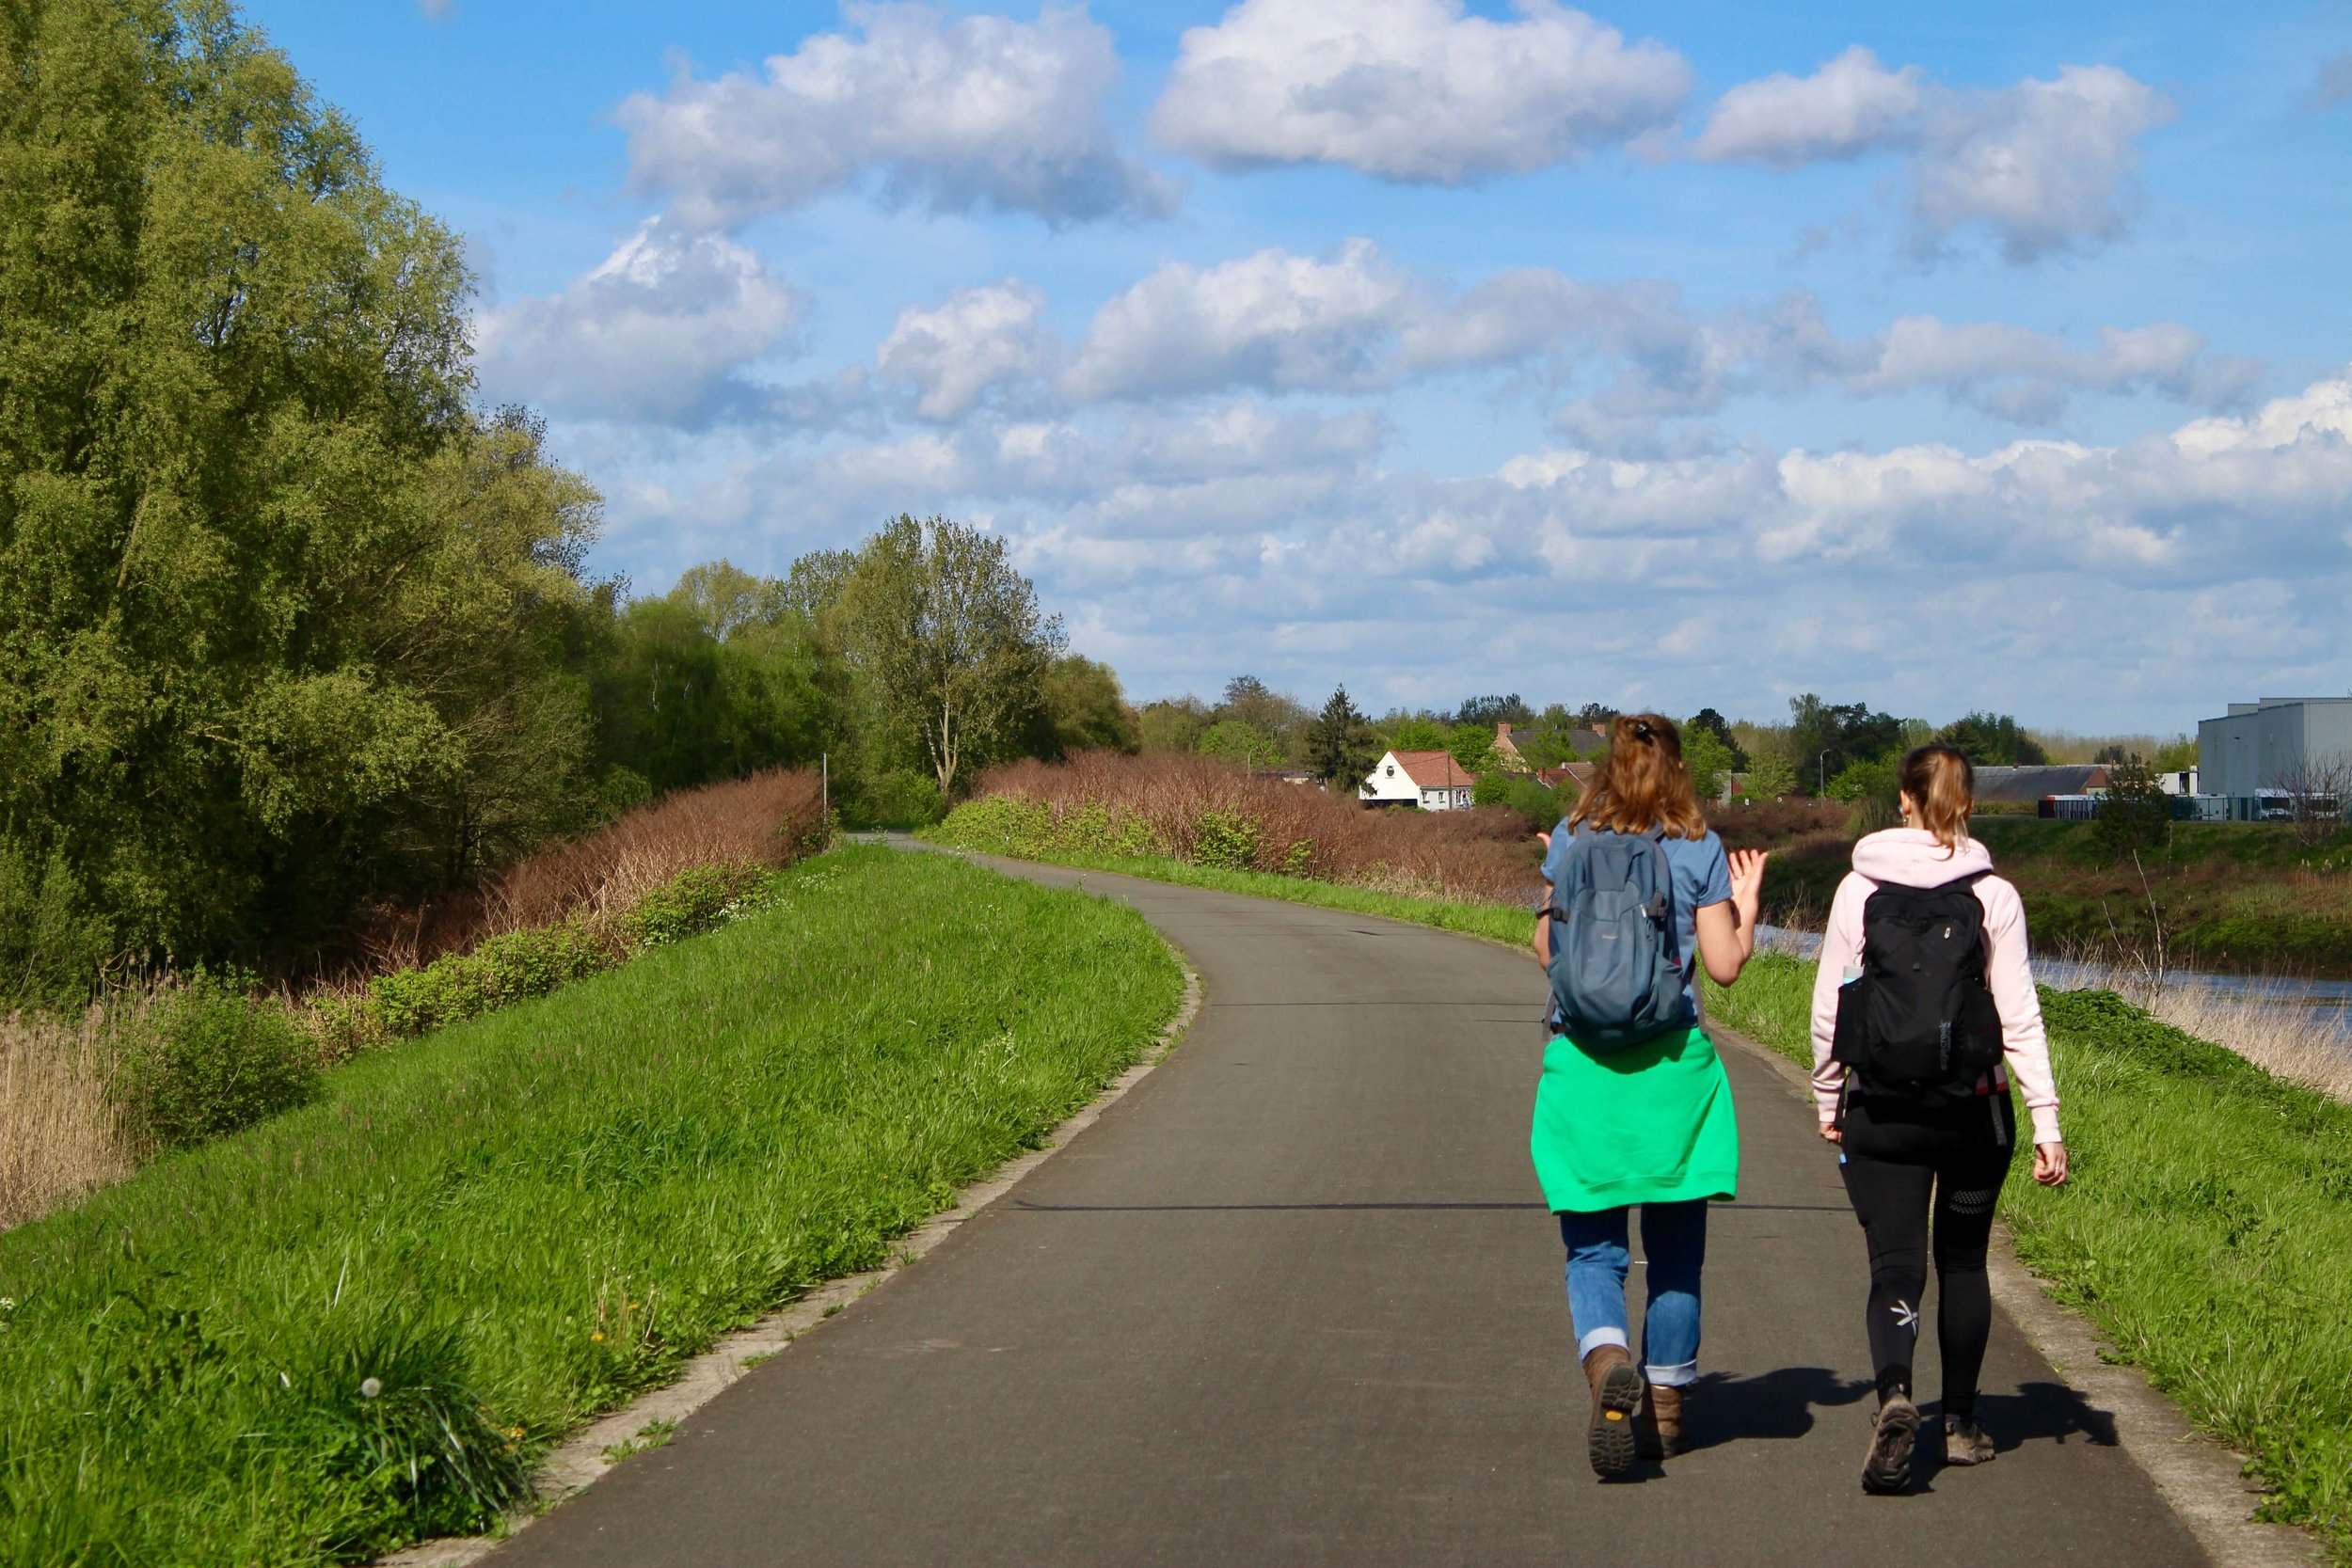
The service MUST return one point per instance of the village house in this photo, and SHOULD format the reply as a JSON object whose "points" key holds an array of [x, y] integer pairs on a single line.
{"points": [[1430, 779]]}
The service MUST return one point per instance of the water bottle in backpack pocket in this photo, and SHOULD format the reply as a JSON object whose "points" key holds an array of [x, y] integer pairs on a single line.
{"points": [[1616, 977], [1920, 1022]]}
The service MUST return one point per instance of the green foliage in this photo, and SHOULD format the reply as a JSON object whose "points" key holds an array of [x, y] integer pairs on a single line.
{"points": [[1873, 778], [1473, 750], [2135, 814], [1993, 740], [281, 620], [902, 798], [678, 707], [1417, 732], [948, 642], [1708, 758], [1771, 777], [1226, 841], [1828, 737], [1539, 804], [207, 1057], [1031, 830], [1486, 712], [1340, 748], [2177, 755], [1234, 742], [794, 1066], [1081, 708], [51, 945], [1173, 726]]}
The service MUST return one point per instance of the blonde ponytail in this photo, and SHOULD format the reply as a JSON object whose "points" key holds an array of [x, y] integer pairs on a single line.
{"points": [[1941, 785]]}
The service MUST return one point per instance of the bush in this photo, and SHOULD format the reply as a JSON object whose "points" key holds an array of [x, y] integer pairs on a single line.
{"points": [[51, 950], [1226, 841], [208, 1058], [900, 798]]}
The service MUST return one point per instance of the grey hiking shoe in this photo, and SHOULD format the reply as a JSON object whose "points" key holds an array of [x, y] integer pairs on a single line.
{"points": [[1893, 1436], [1966, 1443]]}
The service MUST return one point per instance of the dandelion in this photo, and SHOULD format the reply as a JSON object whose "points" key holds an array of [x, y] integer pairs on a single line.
{"points": [[370, 1387], [597, 1335]]}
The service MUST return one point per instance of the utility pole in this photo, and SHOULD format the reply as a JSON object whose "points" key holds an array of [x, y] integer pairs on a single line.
{"points": [[1820, 765], [824, 789]]}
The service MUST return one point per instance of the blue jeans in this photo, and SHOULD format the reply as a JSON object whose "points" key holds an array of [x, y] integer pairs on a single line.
{"points": [[1674, 1239]]}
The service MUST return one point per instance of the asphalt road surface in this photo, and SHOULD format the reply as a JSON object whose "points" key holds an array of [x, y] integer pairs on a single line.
{"points": [[1295, 1299]]}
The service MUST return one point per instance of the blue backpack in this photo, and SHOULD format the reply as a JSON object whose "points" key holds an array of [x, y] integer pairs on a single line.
{"points": [[1616, 979]]}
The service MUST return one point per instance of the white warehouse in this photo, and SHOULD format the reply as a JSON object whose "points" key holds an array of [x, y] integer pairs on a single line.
{"points": [[2246, 753]]}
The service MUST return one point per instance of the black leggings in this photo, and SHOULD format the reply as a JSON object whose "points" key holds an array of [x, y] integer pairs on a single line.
{"points": [[1897, 1157]]}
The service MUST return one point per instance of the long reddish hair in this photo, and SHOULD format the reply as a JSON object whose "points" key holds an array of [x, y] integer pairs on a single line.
{"points": [[1642, 785]]}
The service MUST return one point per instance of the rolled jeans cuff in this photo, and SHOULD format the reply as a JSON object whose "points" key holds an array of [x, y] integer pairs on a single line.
{"points": [[1591, 1342], [1674, 1376]]}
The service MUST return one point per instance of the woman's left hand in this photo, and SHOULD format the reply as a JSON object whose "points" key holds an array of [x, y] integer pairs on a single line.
{"points": [[2049, 1165]]}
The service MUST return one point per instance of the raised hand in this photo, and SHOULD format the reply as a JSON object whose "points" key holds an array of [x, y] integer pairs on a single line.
{"points": [[1747, 876]]}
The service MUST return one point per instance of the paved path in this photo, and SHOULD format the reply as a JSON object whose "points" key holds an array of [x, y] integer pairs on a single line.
{"points": [[1295, 1300]]}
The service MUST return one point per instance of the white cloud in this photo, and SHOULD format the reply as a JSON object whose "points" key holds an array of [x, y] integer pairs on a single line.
{"points": [[1273, 320], [2045, 166], [657, 332], [2042, 166], [1849, 107], [1354, 323], [956, 114], [981, 337], [1411, 89]]}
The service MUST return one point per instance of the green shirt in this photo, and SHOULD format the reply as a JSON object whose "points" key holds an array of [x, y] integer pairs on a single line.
{"points": [[1652, 1123]]}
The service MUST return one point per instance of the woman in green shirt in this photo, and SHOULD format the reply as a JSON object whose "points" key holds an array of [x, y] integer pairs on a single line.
{"points": [[1647, 1125]]}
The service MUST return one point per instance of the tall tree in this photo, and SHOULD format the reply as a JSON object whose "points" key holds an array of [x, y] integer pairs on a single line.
{"points": [[281, 617], [950, 638], [1081, 708], [1340, 749], [1993, 740], [1487, 712]]}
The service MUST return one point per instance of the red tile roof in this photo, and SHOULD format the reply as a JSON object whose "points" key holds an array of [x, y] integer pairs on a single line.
{"points": [[1435, 770]]}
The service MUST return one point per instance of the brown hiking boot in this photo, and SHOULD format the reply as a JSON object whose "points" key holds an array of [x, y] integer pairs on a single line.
{"points": [[1660, 1431], [1616, 1400], [1966, 1443]]}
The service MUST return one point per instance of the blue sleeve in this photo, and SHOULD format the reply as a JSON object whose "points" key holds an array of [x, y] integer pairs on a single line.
{"points": [[1557, 856], [1710, 873]]}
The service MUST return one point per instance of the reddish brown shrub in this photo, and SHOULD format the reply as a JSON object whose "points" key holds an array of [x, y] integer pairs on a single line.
{"points": [[768, 819], [1483, 855]]}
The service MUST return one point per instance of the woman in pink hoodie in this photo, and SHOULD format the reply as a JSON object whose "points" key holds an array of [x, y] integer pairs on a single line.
{"points": [[1907, 1148]]}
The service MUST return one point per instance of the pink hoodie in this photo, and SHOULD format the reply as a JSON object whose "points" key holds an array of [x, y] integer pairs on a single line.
{"points": [[1912, 856]]}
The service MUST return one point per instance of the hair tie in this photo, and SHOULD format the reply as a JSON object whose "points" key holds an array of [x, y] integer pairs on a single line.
{"points": [[1641, 729]]}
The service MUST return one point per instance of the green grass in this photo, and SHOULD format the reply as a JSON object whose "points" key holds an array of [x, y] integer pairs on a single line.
{"points": [[2206, 1229], [357, 1323], [1512, 928]]}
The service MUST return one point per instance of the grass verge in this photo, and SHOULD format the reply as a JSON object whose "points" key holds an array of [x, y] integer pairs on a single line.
{"points": [[1496, 922], [357, 1323], [2207, 1229]]}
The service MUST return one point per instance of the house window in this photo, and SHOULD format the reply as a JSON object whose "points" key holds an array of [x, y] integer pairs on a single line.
{"points": [[1389, 771]]}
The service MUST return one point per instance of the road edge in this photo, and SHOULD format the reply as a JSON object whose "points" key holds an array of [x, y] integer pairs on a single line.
{"points": [[584, 1457], [2200, 1481]]}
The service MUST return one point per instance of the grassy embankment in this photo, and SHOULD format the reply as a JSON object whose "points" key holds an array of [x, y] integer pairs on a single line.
{"points": [[2207, 1231], [357, 1323], [2246, 896]]}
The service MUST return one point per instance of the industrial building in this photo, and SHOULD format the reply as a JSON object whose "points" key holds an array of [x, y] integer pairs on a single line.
{"points": [[2248, 755]]}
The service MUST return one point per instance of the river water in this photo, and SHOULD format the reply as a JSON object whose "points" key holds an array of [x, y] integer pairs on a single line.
{"points": [[2327, 1003]]}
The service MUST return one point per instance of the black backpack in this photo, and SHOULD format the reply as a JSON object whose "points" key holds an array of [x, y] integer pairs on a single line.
{"points": [[1919, 1022]]}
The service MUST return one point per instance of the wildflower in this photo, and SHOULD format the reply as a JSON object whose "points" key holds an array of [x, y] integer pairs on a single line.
{"points": [[597, 1335], [370, 1387]]}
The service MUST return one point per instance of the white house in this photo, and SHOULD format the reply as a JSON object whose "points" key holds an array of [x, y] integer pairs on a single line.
{"points": [[1430, 779]]}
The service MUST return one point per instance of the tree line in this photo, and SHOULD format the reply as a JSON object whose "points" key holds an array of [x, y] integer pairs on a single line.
{"points": [[290, 626]]}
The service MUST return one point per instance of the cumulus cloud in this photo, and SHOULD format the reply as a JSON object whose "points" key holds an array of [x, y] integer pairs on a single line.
{"points": [[657, 332], [1354, 323], [1412, 89], [1272, 320], [954, 114], [979, 338], [1851, 106], [2042, 166]]}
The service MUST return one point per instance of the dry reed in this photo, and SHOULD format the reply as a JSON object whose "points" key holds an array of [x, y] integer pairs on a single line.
{"points": [[2270, 1023], [61, 1135], [768, 819], [1472, 856]]}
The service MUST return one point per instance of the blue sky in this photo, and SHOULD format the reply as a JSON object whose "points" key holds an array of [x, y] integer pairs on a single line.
{"points": [[1938, 357]]}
